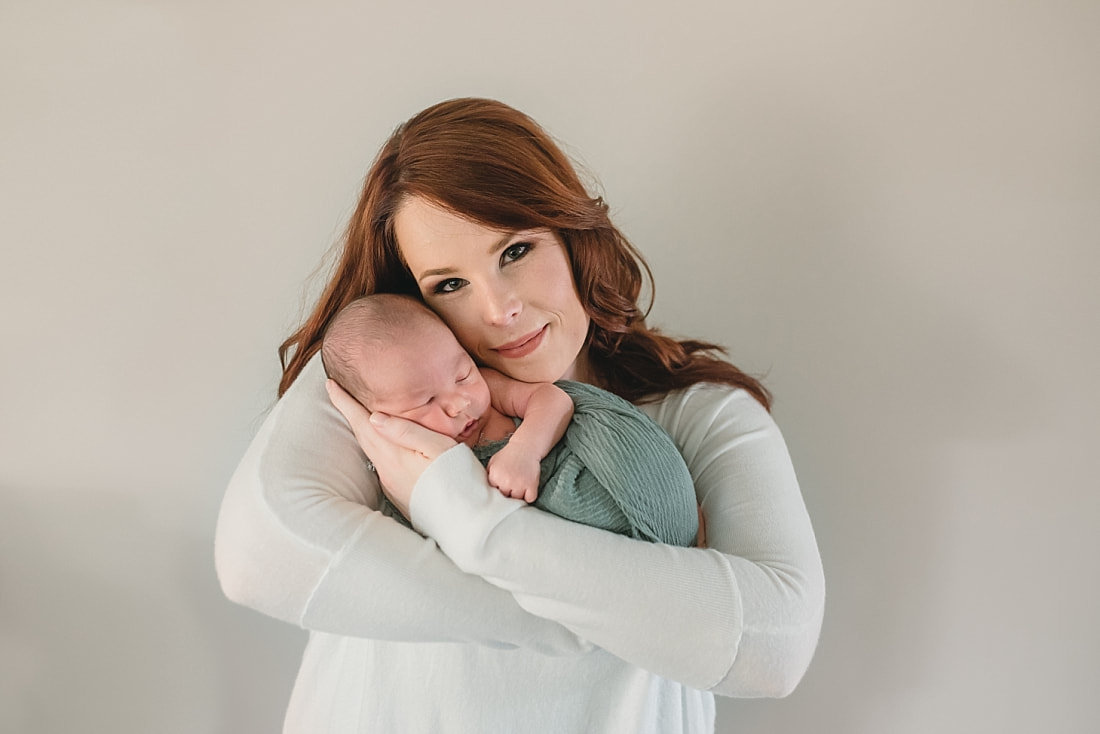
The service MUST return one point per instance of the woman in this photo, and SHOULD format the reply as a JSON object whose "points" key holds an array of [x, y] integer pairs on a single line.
{"points": [[505, 618]]}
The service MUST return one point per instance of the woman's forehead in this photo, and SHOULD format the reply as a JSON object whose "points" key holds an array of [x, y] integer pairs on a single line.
{"points": [[419, 220]]}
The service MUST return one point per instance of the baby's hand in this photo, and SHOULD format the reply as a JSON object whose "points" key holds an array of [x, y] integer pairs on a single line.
{"points": [[515, 474]]}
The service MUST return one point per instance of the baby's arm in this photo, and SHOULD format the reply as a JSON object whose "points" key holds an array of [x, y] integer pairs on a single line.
{"points": [[545, 411]]}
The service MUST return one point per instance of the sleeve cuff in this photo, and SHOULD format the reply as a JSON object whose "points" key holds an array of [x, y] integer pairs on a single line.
{"points": [[453, 504]]}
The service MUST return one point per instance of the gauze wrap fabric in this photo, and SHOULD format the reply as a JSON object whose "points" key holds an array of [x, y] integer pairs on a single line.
{"points": [[614, 469]]}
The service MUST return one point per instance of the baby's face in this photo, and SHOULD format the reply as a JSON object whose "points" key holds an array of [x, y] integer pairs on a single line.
{"points": [[431, 380]]}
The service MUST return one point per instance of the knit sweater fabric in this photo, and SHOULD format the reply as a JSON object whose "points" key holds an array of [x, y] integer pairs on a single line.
{"points": [[502, 617]]}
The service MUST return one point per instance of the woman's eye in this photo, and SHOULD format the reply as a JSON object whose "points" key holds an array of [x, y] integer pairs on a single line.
{"points": [[449, 286], [515, 252]]}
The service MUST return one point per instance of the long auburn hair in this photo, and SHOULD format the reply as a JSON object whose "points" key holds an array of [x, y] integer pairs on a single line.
{"points": [[496, 166]]}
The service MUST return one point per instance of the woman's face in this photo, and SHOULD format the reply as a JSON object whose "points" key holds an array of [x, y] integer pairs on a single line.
{"points": [[509, 297]]}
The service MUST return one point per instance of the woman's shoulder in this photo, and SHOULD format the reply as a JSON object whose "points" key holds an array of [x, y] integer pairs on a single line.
{"points": [[706, 408], [706, 397]]}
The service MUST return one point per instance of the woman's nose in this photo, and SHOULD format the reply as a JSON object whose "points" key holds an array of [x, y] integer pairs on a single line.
{"points": [[501, 305]]}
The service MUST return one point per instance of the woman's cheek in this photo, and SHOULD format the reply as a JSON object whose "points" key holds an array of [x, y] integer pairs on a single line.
{"points": [[467, 336]]}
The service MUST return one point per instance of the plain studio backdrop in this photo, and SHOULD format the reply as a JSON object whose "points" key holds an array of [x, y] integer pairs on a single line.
{"points": [[889, 210]]}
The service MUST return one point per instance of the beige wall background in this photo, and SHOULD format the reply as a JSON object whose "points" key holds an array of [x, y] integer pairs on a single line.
{"points": [[890, 209]]}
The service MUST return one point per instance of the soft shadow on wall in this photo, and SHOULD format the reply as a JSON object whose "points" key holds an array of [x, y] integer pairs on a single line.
{"points": [[118, 624]]}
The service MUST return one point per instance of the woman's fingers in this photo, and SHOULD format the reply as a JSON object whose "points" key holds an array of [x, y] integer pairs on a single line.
{"points": [[412, 436], [405, 449], [399, 449], [400, 431], [348, 406], [357, 417]]}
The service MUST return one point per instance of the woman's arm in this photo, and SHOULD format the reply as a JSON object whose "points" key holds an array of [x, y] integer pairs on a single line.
{"points": [[298, 538], [741, 618]]}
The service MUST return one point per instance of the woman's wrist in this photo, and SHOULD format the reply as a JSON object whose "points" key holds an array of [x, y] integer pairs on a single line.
{"points": [[453, 502]]}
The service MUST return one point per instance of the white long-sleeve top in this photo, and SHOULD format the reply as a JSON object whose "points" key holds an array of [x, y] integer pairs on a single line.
{"points": [[507, 618]]}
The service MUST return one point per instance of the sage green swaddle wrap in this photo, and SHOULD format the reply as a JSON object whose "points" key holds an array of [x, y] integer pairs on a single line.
{"points": [[614, 469]]}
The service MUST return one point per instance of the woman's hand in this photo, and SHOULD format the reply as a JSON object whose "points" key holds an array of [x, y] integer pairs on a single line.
{"points": [[399, 449]]}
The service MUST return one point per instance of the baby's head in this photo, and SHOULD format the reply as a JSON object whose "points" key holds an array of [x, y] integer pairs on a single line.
{"points": [[393, 355]]}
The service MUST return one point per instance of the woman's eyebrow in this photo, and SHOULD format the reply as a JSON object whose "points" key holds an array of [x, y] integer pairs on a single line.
{"points": [[435, 271], [503, 242], [510, 237], [494, 248]]}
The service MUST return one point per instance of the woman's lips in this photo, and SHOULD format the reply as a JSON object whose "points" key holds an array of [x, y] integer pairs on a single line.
{"points": [[523, 346]]}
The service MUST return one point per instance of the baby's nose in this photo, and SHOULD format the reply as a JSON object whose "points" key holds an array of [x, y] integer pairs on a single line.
{"points": [[457, 404]]}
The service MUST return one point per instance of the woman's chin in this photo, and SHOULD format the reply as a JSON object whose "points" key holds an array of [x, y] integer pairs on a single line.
{"points": [[542, 371]]}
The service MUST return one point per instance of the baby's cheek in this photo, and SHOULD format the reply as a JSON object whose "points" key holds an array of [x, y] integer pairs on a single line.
{"points": [[483, 405], [439, 422], [425, 418]]}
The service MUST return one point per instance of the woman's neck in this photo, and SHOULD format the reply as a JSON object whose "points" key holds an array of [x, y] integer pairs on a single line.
{"points": [[581, 371]]}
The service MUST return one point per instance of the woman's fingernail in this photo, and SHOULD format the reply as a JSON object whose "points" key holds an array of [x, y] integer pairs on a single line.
{"points": [[378, 419]]}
